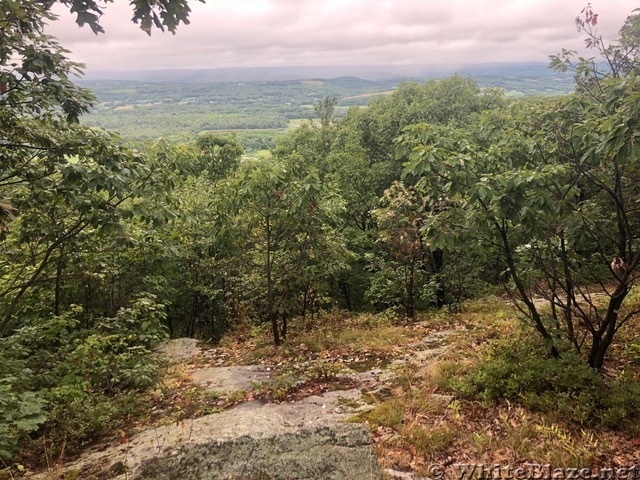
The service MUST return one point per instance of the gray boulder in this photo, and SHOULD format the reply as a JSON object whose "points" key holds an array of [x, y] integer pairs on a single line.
{"points": [[339, 452]]}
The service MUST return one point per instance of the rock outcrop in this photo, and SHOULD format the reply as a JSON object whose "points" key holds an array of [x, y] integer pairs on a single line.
{"points": [[225, 380], [304, 439], [338, 452]]}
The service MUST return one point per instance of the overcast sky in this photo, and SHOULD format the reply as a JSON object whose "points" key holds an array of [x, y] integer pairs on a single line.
{"points": [[256, 33]]}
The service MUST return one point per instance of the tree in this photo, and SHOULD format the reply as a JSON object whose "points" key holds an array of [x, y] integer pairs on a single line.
{"points": [[325, 109], [401, 262], [358, 154], [65, 188], [550, 187], [193, 263], [219, 156], [55, 172], [618, 59], [284, 219]]}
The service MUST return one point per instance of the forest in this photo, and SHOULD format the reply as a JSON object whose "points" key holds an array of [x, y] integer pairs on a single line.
{"points": [[419, 204]]}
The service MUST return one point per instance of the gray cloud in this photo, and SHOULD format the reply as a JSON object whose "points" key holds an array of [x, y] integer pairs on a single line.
{"points": [[245, 33]]}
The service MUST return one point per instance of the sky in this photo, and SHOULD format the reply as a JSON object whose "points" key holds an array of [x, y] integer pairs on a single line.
{"points": [[265, 33]]}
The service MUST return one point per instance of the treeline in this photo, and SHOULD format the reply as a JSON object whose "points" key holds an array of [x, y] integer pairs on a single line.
{"points": [[273, 93], [153, 122]]}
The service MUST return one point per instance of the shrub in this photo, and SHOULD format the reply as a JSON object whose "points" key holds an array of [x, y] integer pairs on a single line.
{"points": [[20, 414], [521, 371], [76, 417], [82, 367]]}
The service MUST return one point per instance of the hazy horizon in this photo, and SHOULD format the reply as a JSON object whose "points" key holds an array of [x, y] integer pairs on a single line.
{"points": [[364, 72], [347, 33]]}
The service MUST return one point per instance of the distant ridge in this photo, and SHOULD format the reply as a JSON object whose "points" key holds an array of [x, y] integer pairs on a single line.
{"points": [[379, 72]]}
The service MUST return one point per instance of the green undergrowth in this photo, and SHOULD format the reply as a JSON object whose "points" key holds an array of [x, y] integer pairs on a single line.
{"points": [[511, 400], [507, 361], [508, 399], [518, 369], [72, 378], [358, 337]]}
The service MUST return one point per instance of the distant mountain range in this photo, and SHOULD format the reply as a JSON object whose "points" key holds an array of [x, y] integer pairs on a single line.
{"points": [[379, 72]]}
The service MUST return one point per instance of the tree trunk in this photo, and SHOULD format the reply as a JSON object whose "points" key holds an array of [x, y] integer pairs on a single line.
{"points": [[169, 322], [195, 301], [568, 310], [58, 288], [601, 340], [533, 311], [438, 264], [344, 287], [304, 304], [6, 321], [409, 305], [270, 302]]}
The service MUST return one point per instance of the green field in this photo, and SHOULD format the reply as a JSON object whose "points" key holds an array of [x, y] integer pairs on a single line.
{"points": [[256, 111]]}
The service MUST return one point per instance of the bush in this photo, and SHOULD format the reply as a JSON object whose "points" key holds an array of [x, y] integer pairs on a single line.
{"points": [[20, 414], [76, 417], [521, 371], [389, 290], [82, 367], [21, 411]]}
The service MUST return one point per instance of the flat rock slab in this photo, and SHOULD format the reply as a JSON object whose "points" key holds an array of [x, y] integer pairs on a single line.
{"points": [[397, 475], [306, 439], [272, 440], [231, 379], [435, 340], [423, 357], [341, 452], [179, 348], [430, 348]]}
